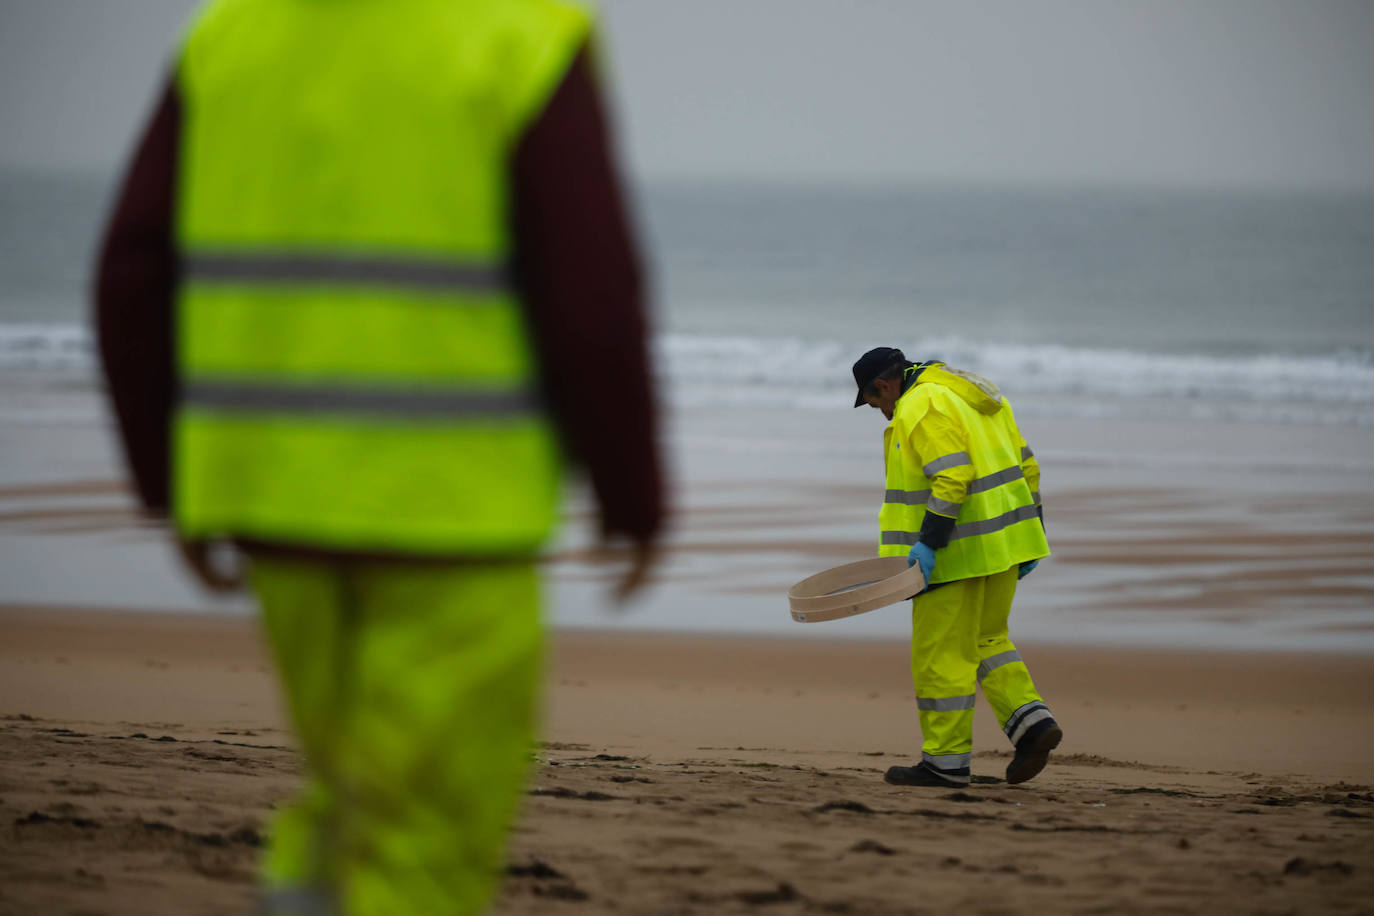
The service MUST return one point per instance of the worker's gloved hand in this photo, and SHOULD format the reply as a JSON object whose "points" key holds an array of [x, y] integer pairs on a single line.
{"points": [[1026, 568], [925, 555]]}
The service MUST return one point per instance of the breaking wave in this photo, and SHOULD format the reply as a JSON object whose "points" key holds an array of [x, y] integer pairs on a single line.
{"points": [[46, 347], [702, 370], [1335, 388]]}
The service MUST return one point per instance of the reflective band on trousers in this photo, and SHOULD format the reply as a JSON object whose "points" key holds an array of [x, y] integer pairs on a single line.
{"points": [[1019, 721], [952, 460], [993, 662], [967, 529], [298, 268], [945, 704], [298, 901], [948, 761], [410, 402]]}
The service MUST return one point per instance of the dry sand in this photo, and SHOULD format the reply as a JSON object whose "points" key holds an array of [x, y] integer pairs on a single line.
{"points": [[140, 755]]}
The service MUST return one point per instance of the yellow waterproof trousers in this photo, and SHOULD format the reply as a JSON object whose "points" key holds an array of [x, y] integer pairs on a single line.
{"points": [[412, 687], [959, 641]]}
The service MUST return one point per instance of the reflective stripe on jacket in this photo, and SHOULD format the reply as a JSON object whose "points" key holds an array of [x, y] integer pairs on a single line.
{"points": [[355, 371], [953, 448]]}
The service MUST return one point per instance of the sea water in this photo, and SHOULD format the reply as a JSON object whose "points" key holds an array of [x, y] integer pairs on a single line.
{"points": [[1188, 304], [1177, 312]]}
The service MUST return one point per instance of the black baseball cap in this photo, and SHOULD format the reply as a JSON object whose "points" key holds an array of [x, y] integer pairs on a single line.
{"points": [[871, 365]]}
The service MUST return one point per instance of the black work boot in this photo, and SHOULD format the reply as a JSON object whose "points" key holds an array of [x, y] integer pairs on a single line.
{"points": [[920, 775], [1033, 751]]}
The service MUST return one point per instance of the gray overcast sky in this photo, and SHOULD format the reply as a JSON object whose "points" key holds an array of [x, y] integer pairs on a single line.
{"points": [[1195, 92]]}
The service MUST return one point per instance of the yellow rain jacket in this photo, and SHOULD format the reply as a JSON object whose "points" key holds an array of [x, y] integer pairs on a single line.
{"points": [[953, 449]]}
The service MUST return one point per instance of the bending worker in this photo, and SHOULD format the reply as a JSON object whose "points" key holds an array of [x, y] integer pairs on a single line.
{"points": [[962, 500], [368, 280]]}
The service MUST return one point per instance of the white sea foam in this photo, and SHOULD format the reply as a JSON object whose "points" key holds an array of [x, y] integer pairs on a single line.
{"points": [[46, 347], [1333, 388], [702, 370]]}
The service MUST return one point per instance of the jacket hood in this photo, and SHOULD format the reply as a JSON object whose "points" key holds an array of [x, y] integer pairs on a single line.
{"points": [[981, 394]]}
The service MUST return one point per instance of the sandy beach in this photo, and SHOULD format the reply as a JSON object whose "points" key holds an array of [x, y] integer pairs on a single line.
{"points": [[141, 754], [1204, 631], [1148, 224]]}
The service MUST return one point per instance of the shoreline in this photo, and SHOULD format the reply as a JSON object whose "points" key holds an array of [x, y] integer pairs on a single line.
{"points": [[1268, 711], [615, 625]]}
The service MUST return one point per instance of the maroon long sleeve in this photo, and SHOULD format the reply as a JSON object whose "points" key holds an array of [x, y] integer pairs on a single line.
{"points": [[580, 276], [576, 264], [134, 287]]}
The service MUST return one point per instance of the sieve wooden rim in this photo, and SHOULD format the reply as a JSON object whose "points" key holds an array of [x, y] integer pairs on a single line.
{"points": [[854, 588]]}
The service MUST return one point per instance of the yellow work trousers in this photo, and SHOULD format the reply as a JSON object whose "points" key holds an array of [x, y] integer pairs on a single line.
{"points": [[959, 642], [412, 688]]}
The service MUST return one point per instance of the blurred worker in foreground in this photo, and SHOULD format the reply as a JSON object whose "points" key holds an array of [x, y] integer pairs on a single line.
{"points": [[369, 269], [962, 500]]}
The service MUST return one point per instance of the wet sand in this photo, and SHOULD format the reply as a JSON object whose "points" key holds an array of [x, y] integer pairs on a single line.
{"points": [[1167, 535], [140, 755]]}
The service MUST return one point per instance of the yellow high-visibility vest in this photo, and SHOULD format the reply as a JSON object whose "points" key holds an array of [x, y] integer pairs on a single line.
{"points": [[953, 448], [354, 368]]}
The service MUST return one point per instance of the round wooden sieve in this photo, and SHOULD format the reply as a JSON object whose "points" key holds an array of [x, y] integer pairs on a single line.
{"points": [[843, 591]]}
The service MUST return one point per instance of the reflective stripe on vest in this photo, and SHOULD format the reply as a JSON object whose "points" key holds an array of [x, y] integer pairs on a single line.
{"points": [[943, 507], [253, 397], [989, 525], [977, 485], [967, 529], [906, 497], [337, 268], [1004, 476], [945, 462]]}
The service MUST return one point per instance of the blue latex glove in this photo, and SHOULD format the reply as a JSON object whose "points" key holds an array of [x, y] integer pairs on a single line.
{"points": [[925, 555], [1025, 569]]}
